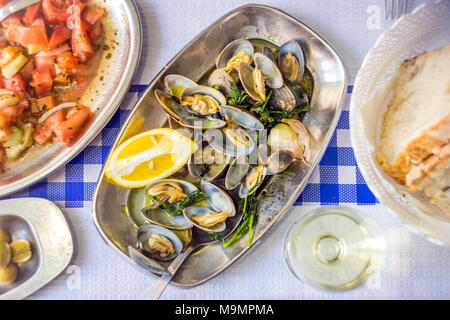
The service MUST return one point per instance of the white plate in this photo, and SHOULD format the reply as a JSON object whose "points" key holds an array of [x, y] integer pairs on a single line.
{"points": [[426, 28]]}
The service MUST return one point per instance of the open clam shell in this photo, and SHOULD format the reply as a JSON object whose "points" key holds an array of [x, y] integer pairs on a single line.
{"points": [[144, 234], [222, 142], [269, 53], [208, 163], [292, 70], [218, 201], [255, 177], [237, 172], [175, 84], [233, 48], [171, 106], [202, 123], [222, 80], [247, 79], [203, 91], [157, 215], [269, 70], [241, 117], [279, 161]]}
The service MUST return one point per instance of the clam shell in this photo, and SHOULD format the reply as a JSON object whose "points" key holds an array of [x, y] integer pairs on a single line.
{"points": [[175, 84], [171, 106], [222, 80], [244, 190], [283, 99], [218, 200], [159, 216], [269, 70], [145, 232], [232, 49], [220, 142], [203, 90], [243, 118], [294, 48], [237, 172], [279, 161]]}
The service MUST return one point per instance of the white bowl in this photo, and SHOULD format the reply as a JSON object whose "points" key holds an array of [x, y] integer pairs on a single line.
{"points": [[426, 28]]}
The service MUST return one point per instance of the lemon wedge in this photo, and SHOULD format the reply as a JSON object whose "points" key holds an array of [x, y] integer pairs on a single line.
{"points": [[149, 156]]}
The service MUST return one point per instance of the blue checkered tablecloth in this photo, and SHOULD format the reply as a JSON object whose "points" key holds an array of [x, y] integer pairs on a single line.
{"points": [[337, 180]]}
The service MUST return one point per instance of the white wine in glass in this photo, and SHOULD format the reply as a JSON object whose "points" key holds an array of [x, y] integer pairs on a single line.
{"points": [[334, 248]]}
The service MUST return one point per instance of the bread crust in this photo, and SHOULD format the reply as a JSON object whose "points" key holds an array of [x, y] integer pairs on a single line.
{"points": [[419, 149]]}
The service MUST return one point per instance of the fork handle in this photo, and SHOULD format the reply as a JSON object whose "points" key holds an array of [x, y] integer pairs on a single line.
{"points": [[159, 287], [176, 264]]}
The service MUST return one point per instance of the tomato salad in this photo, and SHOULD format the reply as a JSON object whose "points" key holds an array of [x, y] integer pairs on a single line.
{"points": [[48, 52]]}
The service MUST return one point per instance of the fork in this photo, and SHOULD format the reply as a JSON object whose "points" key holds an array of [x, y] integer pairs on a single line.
{"points": [[394, 9]]}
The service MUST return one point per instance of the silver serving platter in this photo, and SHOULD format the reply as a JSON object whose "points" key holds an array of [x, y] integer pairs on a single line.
{"points": [[42, 223], [105, 93], [330, 85]]}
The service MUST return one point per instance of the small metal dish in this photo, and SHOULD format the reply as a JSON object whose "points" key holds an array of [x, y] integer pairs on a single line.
{"points": [[105, 93], [330, 85], [43, 224]]}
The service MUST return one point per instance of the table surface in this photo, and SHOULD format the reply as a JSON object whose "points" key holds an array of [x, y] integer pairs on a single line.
{"points": [[414, 267]]}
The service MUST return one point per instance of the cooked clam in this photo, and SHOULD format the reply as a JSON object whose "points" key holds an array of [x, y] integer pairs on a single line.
{"points": [[160, 242], [241, 117], [252, 180], [175, 84], [291, 61], [234, 53], [269, 70], [283, 99], [292, 136], [237, 172], [170, 191], [232, 140], [211, 217], [279, 161], [208, 163], [202, 100], [252, 81], [171, 106], [222, 80]]}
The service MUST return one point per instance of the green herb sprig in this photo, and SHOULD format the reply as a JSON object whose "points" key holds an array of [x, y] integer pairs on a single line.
{"points": [[237, 98], [191, 199]]}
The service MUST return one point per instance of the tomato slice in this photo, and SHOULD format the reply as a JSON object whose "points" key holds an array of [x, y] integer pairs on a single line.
{"points": [[32, 13], [59, 36], [53, 12], [46, 63], [92, 14], [25, 36], [95, 31], [15, 18], [76, 118], [77, 88], [81, 44], [13, 113], [42, 81], [44, 130], [16, 84]]}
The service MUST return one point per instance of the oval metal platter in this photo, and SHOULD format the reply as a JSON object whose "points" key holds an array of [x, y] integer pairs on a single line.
{"points": [[105, 93], [330, 86]]}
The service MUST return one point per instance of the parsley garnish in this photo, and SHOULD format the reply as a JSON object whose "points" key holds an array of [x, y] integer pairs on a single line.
{"points": [[192, 198]]}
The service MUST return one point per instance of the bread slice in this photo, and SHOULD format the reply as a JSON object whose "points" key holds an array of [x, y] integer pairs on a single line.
{"points": [[433, 177], [417, 122]]}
